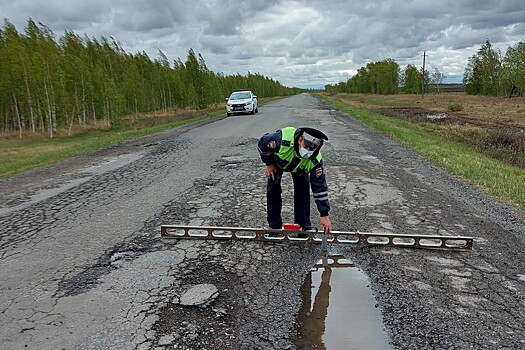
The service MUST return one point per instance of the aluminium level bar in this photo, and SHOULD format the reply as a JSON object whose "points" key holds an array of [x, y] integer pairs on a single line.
{"points": [[340, 237], [333, 261]]}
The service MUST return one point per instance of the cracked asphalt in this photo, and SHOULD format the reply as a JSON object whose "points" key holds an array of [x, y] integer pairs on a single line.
{"points": [[82, 264]]}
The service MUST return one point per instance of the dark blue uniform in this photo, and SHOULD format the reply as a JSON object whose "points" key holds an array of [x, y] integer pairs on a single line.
{"points": [[303, 178]]}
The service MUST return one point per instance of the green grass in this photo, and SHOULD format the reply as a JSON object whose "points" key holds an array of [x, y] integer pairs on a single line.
{"points": [[497, 178], [18, 155]]}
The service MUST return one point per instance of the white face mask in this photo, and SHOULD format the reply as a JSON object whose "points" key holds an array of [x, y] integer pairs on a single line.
{"points": [[303, 152]]}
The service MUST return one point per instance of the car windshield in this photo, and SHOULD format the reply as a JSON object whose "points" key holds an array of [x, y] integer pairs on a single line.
{"points": [[239, 95]]}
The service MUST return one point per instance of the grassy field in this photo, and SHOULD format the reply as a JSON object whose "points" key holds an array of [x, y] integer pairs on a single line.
{"points": [[477, 138], [483, 111]]}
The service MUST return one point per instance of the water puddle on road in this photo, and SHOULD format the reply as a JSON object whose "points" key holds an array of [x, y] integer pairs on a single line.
{"points": [[338, 310]]}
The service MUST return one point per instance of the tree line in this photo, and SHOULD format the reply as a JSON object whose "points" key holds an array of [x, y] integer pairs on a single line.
{"points": [[386, 77], [48, 84], [487, 73]]}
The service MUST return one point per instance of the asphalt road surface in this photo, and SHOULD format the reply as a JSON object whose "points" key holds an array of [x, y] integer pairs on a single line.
{"points": [[82, 265]]}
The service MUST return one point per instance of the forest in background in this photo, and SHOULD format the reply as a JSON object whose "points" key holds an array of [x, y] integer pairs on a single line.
{"points": [[47, 84], [487, 73]]}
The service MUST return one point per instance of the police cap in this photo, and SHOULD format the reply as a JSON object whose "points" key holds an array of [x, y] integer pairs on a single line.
{"points": [[313, 136]]}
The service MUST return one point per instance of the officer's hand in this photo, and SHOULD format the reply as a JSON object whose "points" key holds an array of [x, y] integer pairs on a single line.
{"points": [[326, 224], [270, 172]]}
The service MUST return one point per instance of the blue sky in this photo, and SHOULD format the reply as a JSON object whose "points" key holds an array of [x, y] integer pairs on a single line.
{"points": [[299, 43]]}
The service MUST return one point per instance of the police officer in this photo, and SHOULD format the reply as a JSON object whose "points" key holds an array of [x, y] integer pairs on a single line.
{"points": [[295, 150]]}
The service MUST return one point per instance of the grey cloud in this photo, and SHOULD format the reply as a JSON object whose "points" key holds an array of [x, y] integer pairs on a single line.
{"points": [[226, 17], [64, 15], [221, 44], [299, 43], [145, 16]]}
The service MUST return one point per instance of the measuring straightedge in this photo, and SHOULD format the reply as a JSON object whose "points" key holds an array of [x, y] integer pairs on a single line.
{"points": [[314, 236]]}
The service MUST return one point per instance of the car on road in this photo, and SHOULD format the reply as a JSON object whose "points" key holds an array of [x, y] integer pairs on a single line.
{"points": [[241, 101]]}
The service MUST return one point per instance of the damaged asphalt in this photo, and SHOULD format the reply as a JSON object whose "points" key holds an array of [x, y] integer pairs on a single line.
{"points": [[83, 265]]}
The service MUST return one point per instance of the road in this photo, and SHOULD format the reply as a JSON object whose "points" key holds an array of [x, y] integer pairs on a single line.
{"points": [[82, 265]]}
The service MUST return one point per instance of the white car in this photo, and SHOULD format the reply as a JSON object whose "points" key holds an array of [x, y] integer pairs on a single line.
{"points": [[241, 101]]}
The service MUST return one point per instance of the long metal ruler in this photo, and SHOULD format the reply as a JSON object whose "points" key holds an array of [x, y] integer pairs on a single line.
{"points": [[338, 237]]}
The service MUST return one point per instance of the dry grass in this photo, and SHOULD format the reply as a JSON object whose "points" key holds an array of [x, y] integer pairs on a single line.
{"points": [[483, 111], [490, 125], [136, 122]]}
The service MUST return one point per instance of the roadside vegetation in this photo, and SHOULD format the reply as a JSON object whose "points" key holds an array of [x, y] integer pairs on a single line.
{"points": [[481, 139], [58, 86], [487, 73], [60, 98], [477, 133], [67, 97]]}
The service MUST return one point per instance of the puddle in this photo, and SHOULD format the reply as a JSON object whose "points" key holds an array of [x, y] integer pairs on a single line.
{"points": [[338, 310], [438, 116]]}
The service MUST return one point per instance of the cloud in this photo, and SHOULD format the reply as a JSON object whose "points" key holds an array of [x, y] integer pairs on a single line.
{"points": [[297, 42]]}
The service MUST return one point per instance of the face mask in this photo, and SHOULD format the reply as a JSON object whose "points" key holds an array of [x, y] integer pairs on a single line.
{"points": [[303, 152]]}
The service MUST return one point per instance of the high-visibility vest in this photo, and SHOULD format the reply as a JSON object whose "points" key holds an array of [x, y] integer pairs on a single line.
{"points": [[289, 159]]}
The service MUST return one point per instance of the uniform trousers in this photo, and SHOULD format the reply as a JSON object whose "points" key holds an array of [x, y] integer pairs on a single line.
{"points": [[301, 200]]}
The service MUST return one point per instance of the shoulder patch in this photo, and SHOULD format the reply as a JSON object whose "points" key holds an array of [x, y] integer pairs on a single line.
{"points": [[271, 144], [318, 172]]}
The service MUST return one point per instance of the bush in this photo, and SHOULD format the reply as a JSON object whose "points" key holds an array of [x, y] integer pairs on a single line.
{"points": [[455, 107], [507, 139]]}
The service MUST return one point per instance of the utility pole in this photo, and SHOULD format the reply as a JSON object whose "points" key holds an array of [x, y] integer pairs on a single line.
{"points": [[423, 77]]}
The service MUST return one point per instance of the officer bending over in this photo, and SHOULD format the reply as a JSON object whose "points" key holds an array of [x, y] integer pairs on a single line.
{"points": [[295, 150]]}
